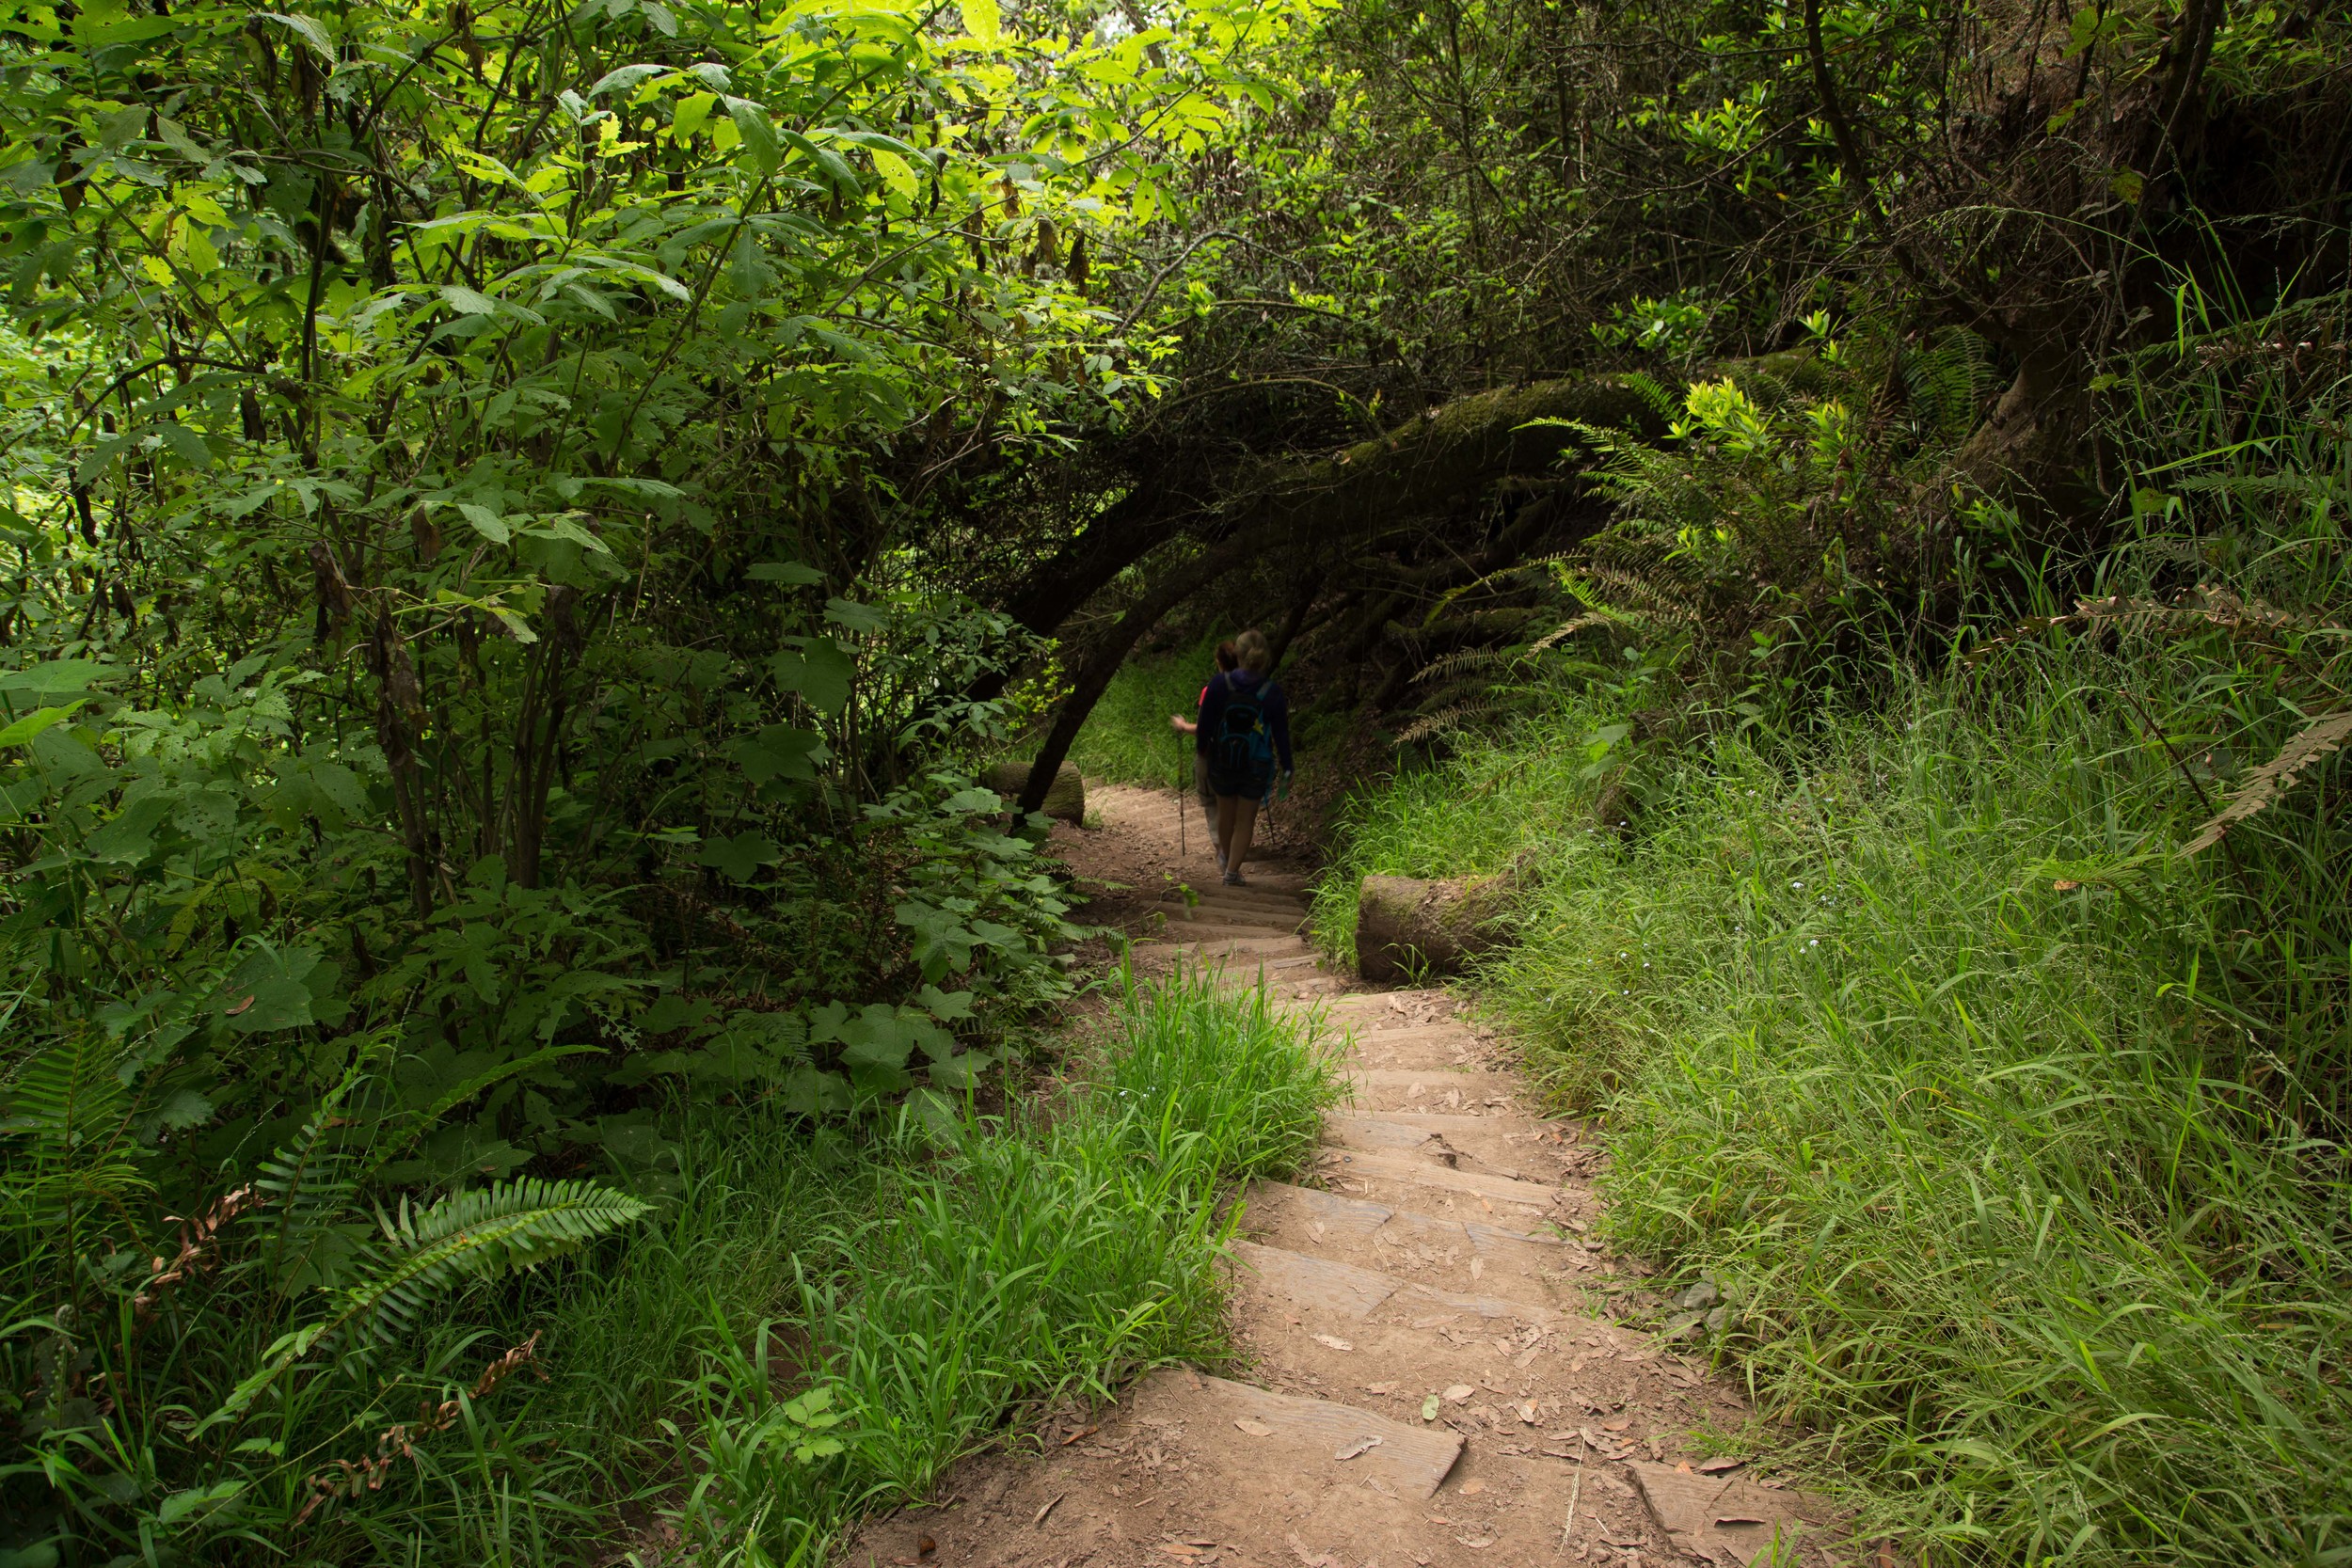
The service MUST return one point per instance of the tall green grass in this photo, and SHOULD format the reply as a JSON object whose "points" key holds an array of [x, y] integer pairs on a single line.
{"points": [[2006, 1132], [815, 1328]]}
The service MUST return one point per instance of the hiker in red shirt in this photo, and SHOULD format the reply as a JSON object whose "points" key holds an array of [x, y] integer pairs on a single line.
{"points": [[1245, 735], [1227, 662]]}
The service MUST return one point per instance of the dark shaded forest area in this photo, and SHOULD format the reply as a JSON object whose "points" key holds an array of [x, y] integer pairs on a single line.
{"points": [[525, 523]]}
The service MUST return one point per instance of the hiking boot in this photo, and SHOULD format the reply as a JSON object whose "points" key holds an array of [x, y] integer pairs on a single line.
{"points": [[1233, 879]]}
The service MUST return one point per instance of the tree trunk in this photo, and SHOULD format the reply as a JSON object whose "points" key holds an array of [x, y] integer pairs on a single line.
{"points": [[1105, 658]]}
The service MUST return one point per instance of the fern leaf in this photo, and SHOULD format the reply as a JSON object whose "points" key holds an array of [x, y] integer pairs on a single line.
{"points": [[312, 1182], [2274, 778], [483, 1231]]}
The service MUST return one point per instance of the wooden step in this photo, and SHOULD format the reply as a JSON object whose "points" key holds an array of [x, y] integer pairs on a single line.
{"points": [[1271, 900], [1473, 1254], [1405, 1132], [1395, 1086], [1307, 1437], [1358, 1217], [1233, 968], [1192, 934], [1333, 1289], [1406, 1170], [1220, 913]]}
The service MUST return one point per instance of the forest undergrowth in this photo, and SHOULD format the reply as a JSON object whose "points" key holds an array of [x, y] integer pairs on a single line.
{"points": [[809, 1326]]}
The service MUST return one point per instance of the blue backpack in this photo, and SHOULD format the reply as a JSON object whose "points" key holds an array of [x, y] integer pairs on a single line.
{"points": [[1244, 746]]}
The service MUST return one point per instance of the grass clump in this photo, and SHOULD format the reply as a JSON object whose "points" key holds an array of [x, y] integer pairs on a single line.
{"points": [[2007, 1134]]}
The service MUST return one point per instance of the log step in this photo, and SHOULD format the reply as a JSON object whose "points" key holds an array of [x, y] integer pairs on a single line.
{"points": [[1307, 1436]]}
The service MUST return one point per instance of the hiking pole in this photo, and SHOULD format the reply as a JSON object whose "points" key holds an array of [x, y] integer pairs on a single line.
{"points": [[1183, 854]]}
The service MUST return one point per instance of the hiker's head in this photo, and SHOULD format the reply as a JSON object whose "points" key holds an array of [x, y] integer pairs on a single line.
{"points": [[1227, 658], [1250, 648]]}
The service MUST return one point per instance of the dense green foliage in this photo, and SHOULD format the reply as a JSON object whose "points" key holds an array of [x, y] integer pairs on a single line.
{"points": [[521, 520], [471, 685]]}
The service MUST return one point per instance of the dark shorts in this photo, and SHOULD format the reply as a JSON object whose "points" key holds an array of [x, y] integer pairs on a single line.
{"points": [[1251, 787]]}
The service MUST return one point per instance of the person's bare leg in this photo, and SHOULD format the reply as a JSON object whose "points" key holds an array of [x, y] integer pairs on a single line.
{"points": [[1244, 818], [1225, 804]]}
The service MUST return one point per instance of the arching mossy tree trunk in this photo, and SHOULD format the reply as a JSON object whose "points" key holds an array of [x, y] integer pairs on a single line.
{"points": [[1291, 513]]}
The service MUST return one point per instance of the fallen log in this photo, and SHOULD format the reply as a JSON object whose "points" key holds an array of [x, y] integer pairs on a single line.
{"points": [[1410, 928], [1065, 798]]}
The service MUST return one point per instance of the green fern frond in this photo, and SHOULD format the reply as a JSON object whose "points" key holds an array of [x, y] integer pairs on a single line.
{"points": [[489, 1230], [69, 1097], [1664, 404], [485, 1230], [313, 1182]]}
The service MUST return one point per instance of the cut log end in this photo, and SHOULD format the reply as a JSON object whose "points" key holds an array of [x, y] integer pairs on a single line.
{"points": [[1065, 800], [1407, 928]]}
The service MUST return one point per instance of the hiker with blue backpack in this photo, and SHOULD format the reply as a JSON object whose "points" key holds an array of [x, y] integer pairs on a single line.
{"points": [[1245, 737]]}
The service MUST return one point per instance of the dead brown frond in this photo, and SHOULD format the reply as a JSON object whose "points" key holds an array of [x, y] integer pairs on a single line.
{"points": [[2205, 607], [197, 1237], [2274, 778], [350, 1476], [1465, 661], [1566, 630], [1447, 720]]}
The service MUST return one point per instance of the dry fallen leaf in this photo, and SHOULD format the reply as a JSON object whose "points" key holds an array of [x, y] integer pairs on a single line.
{"points": [[1527, 1411], [1333, 1342], [1478, 1267], [1476, 1545], [1312, 1560], [1618, 1425], [1361, 1445], [1380, 1387], [1718, 1464], [1047, 1509], [1255, 1429], [1459, 1392], [1177, 1548], [1742, 1519], [1472, 1487]]}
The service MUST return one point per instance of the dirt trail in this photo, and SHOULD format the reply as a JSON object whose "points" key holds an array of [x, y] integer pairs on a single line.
{"points": [[1429, 1372]]}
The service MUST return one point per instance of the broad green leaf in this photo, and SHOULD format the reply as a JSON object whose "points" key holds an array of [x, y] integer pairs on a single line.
{"points": [[757, 131], [265, 993], [739, 857], [469, 301], [22, 731], [982, 19], [485, 522], [308, 31], [822, 673]]}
